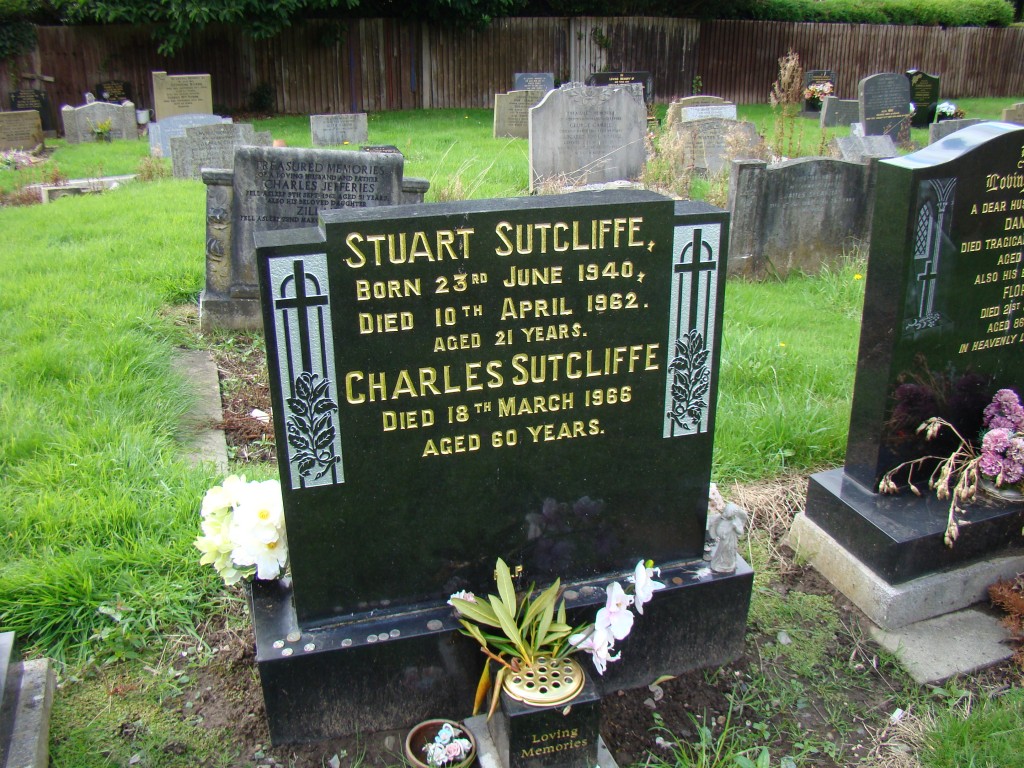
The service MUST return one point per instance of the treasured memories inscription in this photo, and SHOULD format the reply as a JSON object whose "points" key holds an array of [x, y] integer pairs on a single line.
{"points": [[531, 373]]}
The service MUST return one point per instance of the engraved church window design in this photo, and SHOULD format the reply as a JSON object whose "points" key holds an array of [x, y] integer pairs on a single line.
{"points": [[923, 308]]}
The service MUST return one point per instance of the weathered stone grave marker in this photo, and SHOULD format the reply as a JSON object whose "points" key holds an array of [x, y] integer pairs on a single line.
{"points": [[279, 188], [20, 130], [80, 123], [581, 134], [212, 146], [335, 130], [943, 128], [492, 378], [798, 214], [698, 107], [924, 93], [1014, 114], [512, 113], [173, 127], [644, 79], [709, 144], [181, 95], [860, 149], [941, 332], [884, 104], [835, 112]]}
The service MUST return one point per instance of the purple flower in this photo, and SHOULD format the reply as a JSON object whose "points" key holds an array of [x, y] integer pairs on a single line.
{"points": [[1016, 450], [996, 440], [1005, 411], [1012, 472], [991, 464]]}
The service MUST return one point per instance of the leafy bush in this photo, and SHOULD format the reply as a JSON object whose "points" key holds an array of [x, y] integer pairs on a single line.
{"points": [[969, 13]]}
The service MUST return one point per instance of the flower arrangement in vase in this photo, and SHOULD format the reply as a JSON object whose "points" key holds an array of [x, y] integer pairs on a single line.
{"points": [[816, 92], [996, 459], [519, 632], [243, 533]]}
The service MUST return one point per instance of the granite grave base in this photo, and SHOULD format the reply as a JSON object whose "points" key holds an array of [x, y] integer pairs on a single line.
{"points": [[900, 537], [385, 670]]}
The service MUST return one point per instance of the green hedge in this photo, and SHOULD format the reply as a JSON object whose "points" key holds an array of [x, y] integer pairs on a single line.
{"points": [[946, 13]]}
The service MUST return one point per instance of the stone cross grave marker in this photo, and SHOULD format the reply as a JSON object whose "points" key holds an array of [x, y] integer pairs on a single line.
{"points": [[532, 378], [20, 130], [924, 93], [533, 81], [278, 188], [173, 127], [884, 101], [80, 122], [335, 130], [581, 135], [181, 95], [512, 113], [212, 146], [942, 330]]}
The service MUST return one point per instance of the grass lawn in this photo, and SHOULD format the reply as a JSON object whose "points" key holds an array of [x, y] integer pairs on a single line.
{"points": [[98, 509]]}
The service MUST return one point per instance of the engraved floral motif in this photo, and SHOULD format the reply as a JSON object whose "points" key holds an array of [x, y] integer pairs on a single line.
{"points": [[310, 427], [691, 380]]}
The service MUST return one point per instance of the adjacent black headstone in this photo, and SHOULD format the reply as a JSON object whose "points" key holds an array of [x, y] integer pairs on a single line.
{"points": [[532, 378], [942, 331], [33, 98], [114, 91], [824, 81], [884, 102], [924, 93], [625, 78], [533, 81]]}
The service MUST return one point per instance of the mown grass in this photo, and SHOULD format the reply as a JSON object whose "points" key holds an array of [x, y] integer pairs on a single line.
{"points": [[98, 509]]}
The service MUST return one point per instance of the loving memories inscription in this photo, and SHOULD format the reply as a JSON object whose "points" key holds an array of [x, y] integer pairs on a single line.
{"points": [[531, 372]]}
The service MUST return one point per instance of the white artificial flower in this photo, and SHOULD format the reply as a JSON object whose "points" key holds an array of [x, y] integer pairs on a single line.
{"points": [[598, 643], [260, 506], [644, 585], [462, 594], [616, 617], [269, 557]]}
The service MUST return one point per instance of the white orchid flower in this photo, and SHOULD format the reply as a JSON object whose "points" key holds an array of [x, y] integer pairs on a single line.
{"points": [[616, 617], [644, 585]]}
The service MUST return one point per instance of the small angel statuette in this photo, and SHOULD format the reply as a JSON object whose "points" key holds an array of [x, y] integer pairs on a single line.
{"points": [[726, 528]]}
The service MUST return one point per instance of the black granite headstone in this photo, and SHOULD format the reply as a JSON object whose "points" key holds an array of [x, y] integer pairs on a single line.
{"points": [[114, 91], [818, 77], [532, 378], [942, 331], [924, 93], [533, 81], [625, 78], [33, 98]]}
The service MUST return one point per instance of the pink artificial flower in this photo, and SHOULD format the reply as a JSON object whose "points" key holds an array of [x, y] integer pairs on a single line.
{"points": [[996, 440], [599, 645], [1005, 411]]}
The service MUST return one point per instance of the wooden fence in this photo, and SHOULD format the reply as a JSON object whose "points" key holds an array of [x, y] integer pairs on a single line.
{"points": [[323, 67]]}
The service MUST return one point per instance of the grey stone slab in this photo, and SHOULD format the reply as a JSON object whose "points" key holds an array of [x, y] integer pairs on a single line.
{"points": [[26, 713], [685, 114], [884, 102], [585, 134], [173, 127], [836, 112], [80, 122], [487, 753], [935, 650], [792, 215], [205, 442], [944, 128], [895, 606], [20, 130], [860, 149], [708, 145], [211, 146], [512, 113], [336, 130]]}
